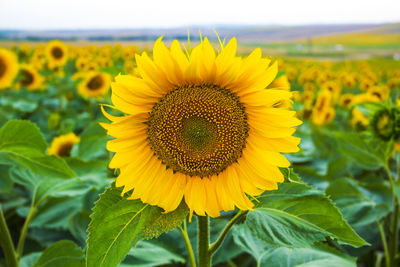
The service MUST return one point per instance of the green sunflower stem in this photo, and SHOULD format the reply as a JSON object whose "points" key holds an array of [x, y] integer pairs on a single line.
{"points": [[384, 243], [395, 221], [214, 247], [204, 241], [6, 242], [395, 233], [21, 241], [188, 245]]}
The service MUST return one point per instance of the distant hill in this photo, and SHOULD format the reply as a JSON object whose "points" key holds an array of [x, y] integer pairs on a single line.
{"points": [[246, 34]]}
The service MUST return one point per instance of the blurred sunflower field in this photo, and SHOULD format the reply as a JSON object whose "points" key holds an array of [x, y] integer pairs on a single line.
{"points": [[66, 198]]}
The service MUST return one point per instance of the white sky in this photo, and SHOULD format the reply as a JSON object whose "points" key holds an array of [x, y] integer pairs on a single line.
{"points": [[108, 14]]}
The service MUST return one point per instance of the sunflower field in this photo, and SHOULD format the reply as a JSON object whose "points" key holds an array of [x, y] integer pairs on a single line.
{"points": [[195, 154]]}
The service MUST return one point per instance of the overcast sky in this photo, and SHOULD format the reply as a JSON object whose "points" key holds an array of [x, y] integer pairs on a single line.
{"points": [[109, 14]]}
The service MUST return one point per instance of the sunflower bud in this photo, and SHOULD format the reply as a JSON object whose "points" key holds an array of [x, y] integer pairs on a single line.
{"points": [[385, 124], [53, 121]]}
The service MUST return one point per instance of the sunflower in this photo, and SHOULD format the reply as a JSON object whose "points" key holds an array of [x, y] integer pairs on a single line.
{"points": [[56, 53], [348, 80], [381, 92], [365, 84], [346, 100], [334, 88], [200, 127], [359, 120], [323, 112], [30, 78], [81, 63], [62, 145], [95, 84], [8, 68]]}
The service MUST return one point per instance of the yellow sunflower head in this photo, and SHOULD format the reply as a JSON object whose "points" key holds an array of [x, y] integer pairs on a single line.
{"points": [[56, 53], [365, 84], [8, 68], [381, 92], [201, 127], [359, 120], [346, 100], [62, 145], [323, 112], [81, 63], [30, 78], [334, 88], [95, 84]]}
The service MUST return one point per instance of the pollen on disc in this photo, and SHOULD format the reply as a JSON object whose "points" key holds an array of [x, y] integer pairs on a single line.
{"points": [[198, 130]]}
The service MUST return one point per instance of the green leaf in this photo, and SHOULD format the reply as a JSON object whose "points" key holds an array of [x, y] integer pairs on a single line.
{"points": [[61, 254], [6, 183], [78, 224], [20, 133], [30, 259], [93, 142], [93, 172], [298, 216], [18, 103], [22, 144], [117, 224], [56, 213], [45, 186], [360, 204], [366, 154], [148, 254], [315, 256]]}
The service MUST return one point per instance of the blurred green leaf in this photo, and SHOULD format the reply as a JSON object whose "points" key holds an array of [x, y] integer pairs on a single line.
{"points": [[30, 259], [22, 144], [360, 205], [149, 254], [117, 224], [56, 213], [61, 254], [93, 172], [78, 224], [93, 142], [298, 216], [18, 103], [6, 183], [363, 153], [45, 186], [265, 255]]}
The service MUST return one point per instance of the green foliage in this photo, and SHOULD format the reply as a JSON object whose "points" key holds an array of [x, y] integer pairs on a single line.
{"points": [[43, 186], [117, 224], [22, 144], [361, 204], [368, 154], [265, 255], [93, 142], [148, 254], [61, 254], [298, 216]]}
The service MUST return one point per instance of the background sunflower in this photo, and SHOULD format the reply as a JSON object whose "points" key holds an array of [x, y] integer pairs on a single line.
{"points": [[8, 68]]}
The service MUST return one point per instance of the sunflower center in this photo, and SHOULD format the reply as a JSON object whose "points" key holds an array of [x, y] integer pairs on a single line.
{"points": [[198, 133], [57, 52], [26, 78], [3, 67], [95, 83], [198, 130], [65, 150]]}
